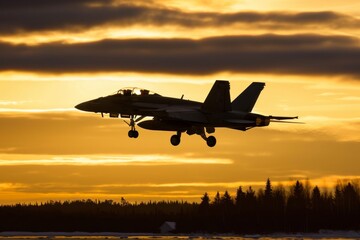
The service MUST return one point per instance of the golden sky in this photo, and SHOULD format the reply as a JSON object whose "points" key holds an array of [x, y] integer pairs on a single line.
{"points": [[55, 54]]}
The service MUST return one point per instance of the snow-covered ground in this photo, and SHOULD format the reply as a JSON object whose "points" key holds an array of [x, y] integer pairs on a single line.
{"points": [[323, 234]]}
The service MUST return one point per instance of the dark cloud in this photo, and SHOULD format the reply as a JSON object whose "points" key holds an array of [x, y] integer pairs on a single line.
{"points": [[294, 54], [36, 4], [40, 15]]}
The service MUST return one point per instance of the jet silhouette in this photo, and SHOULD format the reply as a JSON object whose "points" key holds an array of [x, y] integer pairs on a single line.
{"points": [[180, 115]]}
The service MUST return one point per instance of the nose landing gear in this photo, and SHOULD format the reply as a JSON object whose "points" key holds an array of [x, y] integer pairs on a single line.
{"points": [[132, 132]]}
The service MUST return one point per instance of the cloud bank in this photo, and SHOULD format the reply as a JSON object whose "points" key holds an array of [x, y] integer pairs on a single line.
{"points": [[65, 15], [304, 54]]}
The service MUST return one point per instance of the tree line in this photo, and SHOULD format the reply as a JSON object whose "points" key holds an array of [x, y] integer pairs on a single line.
{"points": [[300, 208]]}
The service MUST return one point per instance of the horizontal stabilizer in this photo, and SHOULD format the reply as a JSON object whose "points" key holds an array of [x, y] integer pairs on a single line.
{"points": [[246, 100], [282, 118], [279, 121], [240, 121], [218, 99]]}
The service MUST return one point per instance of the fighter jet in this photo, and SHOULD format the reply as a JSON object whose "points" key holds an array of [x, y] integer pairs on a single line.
{"points": [[184, 116]]}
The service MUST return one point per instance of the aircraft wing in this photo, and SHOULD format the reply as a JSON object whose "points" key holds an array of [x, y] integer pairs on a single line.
{"points": [[186, 114], [179, 113]]}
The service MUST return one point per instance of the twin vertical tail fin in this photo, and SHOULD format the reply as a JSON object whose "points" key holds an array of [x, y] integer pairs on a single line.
{"points": [[246, 100], [218, 99]]}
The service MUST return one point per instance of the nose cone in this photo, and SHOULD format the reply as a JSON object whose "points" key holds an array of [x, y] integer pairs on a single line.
{"points": [[95, 105], [81, 106], [89, 106]]}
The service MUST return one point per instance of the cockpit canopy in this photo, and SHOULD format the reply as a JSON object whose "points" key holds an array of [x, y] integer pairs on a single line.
{"points": [[133, 91]]}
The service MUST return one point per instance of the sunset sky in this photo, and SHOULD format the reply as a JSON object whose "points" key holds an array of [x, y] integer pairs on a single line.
{"points": [[55, 54]]}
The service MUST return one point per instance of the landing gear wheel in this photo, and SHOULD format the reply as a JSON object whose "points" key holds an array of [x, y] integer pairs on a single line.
{"points": [[175, 140], [133, 134], [211, 141], [130, 133]]}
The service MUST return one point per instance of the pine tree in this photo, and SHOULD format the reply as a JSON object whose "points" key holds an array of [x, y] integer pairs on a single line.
{"points": [[217, 199], [205, 200], [315, 198], [226, 199], [240, 196], [296, 208], [268, 190], [316, 206], [298, 191], [352, 205], [250, 194]]}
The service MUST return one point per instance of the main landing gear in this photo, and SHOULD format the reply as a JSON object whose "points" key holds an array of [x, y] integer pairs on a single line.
{"points": [[175, 139], [210, 141]]}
